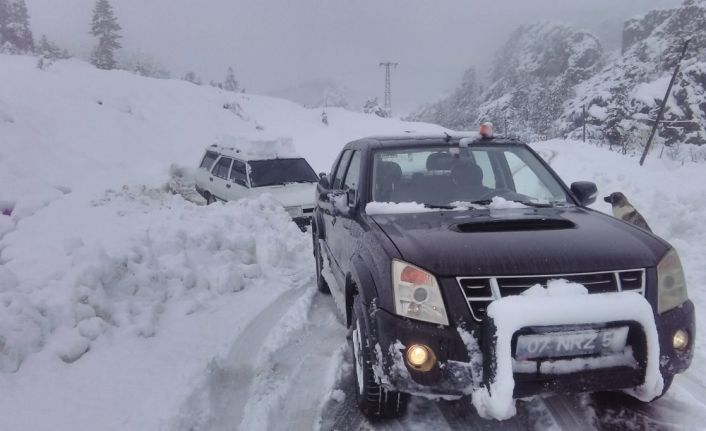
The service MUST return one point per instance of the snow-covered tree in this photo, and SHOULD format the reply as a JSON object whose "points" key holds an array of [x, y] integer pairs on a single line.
{"points": [[50, 50], [192, 78], [143, 64], [372, 106], [15, 33], [230, 84], [105, 27]]}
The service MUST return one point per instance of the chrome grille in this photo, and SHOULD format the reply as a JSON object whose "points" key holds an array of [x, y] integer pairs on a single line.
{"points": [[481, 291]]}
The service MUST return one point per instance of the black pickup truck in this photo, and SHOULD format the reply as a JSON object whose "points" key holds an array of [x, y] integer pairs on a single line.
{"points": [[417, 236]]}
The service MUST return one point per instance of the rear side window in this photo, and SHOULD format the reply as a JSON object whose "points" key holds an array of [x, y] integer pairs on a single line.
{"points": [[208, 160], [341, 170], [353, 174], [238, 173], [222, 168]]}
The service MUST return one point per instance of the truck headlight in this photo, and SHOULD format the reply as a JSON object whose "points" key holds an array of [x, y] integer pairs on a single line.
{"points": [[417, 294], [671, 284]]}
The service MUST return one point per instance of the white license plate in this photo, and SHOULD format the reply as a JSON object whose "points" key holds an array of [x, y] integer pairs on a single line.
{"points": [[571, 343]]}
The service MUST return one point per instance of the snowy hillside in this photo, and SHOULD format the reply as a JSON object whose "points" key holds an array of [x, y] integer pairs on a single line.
{"points": [[107, 277], [546, 74], [623, 99]]}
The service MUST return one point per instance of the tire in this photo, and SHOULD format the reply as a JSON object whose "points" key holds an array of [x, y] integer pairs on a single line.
{"points": [[374, 401], [209, 198], [321, 284]]}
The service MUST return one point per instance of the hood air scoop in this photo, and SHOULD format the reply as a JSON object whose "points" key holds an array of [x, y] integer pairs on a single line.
{"points": [[511, 225]]}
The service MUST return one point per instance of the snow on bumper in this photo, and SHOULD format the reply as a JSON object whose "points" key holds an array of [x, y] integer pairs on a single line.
{"points": [[495, 400]]}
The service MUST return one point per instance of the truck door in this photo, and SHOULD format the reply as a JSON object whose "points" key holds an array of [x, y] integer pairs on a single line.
{"points": [[331, 219]]}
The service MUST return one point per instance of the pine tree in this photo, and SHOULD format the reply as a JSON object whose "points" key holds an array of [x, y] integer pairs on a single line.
{"points": [[15, 33], [231, 84], [105, 27], [48, 49]]}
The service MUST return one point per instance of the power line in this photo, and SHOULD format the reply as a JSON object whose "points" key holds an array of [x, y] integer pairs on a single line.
{"points": [[388, 86]]}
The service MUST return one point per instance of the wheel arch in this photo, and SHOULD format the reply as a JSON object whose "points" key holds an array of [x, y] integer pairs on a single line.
{"points": [[359, 281]]}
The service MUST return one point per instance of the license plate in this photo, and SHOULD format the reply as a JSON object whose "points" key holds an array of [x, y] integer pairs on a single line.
{"points": [[571, 343]]}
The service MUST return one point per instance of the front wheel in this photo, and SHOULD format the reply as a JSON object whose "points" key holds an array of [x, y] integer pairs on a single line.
{"points": [[210, 199], [376, 402]]}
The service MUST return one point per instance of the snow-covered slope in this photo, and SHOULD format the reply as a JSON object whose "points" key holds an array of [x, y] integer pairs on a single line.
{"points": [[545, 75], [115, 293]]}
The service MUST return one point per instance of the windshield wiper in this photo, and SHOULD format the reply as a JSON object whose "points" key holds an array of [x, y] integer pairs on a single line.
{"points": [[536, 204], [441, 207]]}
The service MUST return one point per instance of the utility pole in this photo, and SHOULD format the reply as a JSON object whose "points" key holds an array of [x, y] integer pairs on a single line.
{"points": [[664, 102], [584, 123], [388, 86]]}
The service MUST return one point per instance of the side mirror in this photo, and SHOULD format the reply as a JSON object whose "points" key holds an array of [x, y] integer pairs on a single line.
{"points": [[343, 202], [323, 188], [322, 175], [585, 192]]}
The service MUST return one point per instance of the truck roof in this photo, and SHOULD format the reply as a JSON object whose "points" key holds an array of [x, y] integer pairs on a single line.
{"points": [[411, 139]]}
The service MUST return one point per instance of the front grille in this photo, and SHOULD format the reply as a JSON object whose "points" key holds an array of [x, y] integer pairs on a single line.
{"points": [[481, 291]]}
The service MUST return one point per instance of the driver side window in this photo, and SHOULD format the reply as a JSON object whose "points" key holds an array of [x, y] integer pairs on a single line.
{"points": [[341, 170], [353, 175]]}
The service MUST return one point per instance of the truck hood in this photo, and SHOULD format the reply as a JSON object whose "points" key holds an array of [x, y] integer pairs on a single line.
{"points": [[520, 241], [290, 195]]}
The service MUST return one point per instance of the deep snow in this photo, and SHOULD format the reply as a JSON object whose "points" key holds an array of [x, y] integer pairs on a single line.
{"points": [[126, 307]]}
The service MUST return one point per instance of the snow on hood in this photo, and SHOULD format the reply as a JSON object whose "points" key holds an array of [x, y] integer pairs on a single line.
{"points": [[377, 208]]}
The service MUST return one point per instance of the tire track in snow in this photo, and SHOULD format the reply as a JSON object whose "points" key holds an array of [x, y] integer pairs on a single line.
{"points": [[226, 390], [310, 352], [568, 412]]}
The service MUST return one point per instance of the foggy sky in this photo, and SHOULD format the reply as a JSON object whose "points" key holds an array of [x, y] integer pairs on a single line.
{"points": [[279, 43]]}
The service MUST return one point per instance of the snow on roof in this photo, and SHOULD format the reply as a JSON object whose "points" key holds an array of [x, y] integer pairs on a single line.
{"points": [[255, 149]]}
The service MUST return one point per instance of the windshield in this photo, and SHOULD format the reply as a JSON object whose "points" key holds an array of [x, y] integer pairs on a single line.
{"points": [[280, 171], [450, 176]]}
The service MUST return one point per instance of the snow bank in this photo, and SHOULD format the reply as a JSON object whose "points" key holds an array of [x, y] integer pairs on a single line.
{"points": [[558, 305], [95, 285]]}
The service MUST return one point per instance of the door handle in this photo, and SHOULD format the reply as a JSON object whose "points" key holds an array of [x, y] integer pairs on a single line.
{"points": [[227, 185], [210, 179]]}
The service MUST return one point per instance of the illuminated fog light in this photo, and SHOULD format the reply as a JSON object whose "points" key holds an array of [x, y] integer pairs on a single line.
{"points": [[420, 357], [680, 340]]}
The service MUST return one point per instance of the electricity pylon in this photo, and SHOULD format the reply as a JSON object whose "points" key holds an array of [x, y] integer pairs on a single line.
{"points": [[388, 86]]}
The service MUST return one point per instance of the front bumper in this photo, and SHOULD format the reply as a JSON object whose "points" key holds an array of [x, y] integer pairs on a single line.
{"points": [[455, 374]]}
